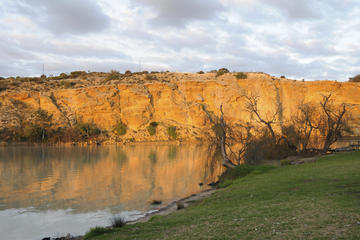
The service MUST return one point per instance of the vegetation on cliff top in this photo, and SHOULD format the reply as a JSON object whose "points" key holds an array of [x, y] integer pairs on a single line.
{"points": [[318, 200], [355, 79]]}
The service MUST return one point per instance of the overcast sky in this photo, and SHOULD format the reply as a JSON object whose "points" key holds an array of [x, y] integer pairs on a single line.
{"points": [[311, 39]]}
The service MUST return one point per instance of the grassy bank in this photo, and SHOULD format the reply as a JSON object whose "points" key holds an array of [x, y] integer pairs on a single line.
{"points": [[319, 200]]}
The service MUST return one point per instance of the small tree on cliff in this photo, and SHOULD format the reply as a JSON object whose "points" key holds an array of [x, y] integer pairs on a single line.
{"points": [[355, 79]]}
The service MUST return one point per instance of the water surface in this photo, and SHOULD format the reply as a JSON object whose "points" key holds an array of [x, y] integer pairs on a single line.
{"points": [[51, 191]]}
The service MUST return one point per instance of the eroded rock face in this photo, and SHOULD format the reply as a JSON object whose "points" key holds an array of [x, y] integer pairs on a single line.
{"points": [[176, 102]]}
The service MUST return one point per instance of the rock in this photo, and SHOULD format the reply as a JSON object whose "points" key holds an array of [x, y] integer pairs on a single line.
{"points": [[180, 205]]}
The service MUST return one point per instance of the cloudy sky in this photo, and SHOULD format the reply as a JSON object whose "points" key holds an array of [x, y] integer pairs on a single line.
{"points": [[311, 39]]}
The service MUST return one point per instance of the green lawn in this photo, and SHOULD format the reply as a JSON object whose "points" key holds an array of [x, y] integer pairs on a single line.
{"points": [[319, 200]]}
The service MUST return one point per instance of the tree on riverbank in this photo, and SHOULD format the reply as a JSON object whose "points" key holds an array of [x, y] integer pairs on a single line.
{"points": [[257, 140]]}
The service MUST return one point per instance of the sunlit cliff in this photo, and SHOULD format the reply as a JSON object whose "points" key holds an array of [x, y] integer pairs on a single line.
{"points": [[173, 99]]}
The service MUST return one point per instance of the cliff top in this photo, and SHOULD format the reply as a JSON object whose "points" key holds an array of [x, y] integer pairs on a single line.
{"points": [[82, 79]]}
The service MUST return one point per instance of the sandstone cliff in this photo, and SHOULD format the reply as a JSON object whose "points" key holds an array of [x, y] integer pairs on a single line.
{"points": [[173, 99]]}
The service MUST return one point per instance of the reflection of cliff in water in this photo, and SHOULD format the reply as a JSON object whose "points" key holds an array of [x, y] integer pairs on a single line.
{"points": [[87, 179]]}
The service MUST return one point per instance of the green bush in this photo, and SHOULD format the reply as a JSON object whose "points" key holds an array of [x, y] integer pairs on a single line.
{"points": [[32, 132], [150, 77], [86, 131], [172, 132], [67, 84], [63, 76], [241, 75], [221, 71], [152, 128], [77, 74], [355, 79], [114, 75], [285, 162], [60, 77], [96, 231], [120, 129], [117, 222]]}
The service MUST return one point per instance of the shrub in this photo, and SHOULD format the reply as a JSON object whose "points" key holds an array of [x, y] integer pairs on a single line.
{"points": [[200, 72], [241, 75], [120, 128], [67, 84], [152, 128], [172, 132], [264, 148], [355, 79], [32, 132], [221, 71], [150, 77], [77, 74], [128, 72], [117, 222], [282, 77], [86, 131], [96, 231], [43, 76], [114, 75], [285, 162], [60, 77]]}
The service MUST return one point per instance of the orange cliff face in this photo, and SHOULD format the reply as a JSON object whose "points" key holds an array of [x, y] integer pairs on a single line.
{"points": [[176, 102]]}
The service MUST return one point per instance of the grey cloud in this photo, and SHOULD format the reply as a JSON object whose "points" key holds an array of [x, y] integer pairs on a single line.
{"points": [[294, 9], [66, 16], [10, 52], [69, 49], [179, 13]]}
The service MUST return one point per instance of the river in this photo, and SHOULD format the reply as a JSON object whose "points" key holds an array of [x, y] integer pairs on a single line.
{"points": [[52, 191]]}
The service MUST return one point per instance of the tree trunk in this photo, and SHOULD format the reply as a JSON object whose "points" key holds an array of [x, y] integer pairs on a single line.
{"points": [[226, 161]]}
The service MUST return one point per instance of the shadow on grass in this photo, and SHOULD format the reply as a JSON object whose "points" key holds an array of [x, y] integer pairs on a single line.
{"points": [[241, 171]]}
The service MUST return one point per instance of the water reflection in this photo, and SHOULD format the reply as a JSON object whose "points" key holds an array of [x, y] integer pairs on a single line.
{"points": [[110, 179]]}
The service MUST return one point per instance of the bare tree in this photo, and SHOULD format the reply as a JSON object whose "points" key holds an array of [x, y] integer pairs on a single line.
{"points": [[221, 131], [252, 107], [334, 121], [306, 122]]}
